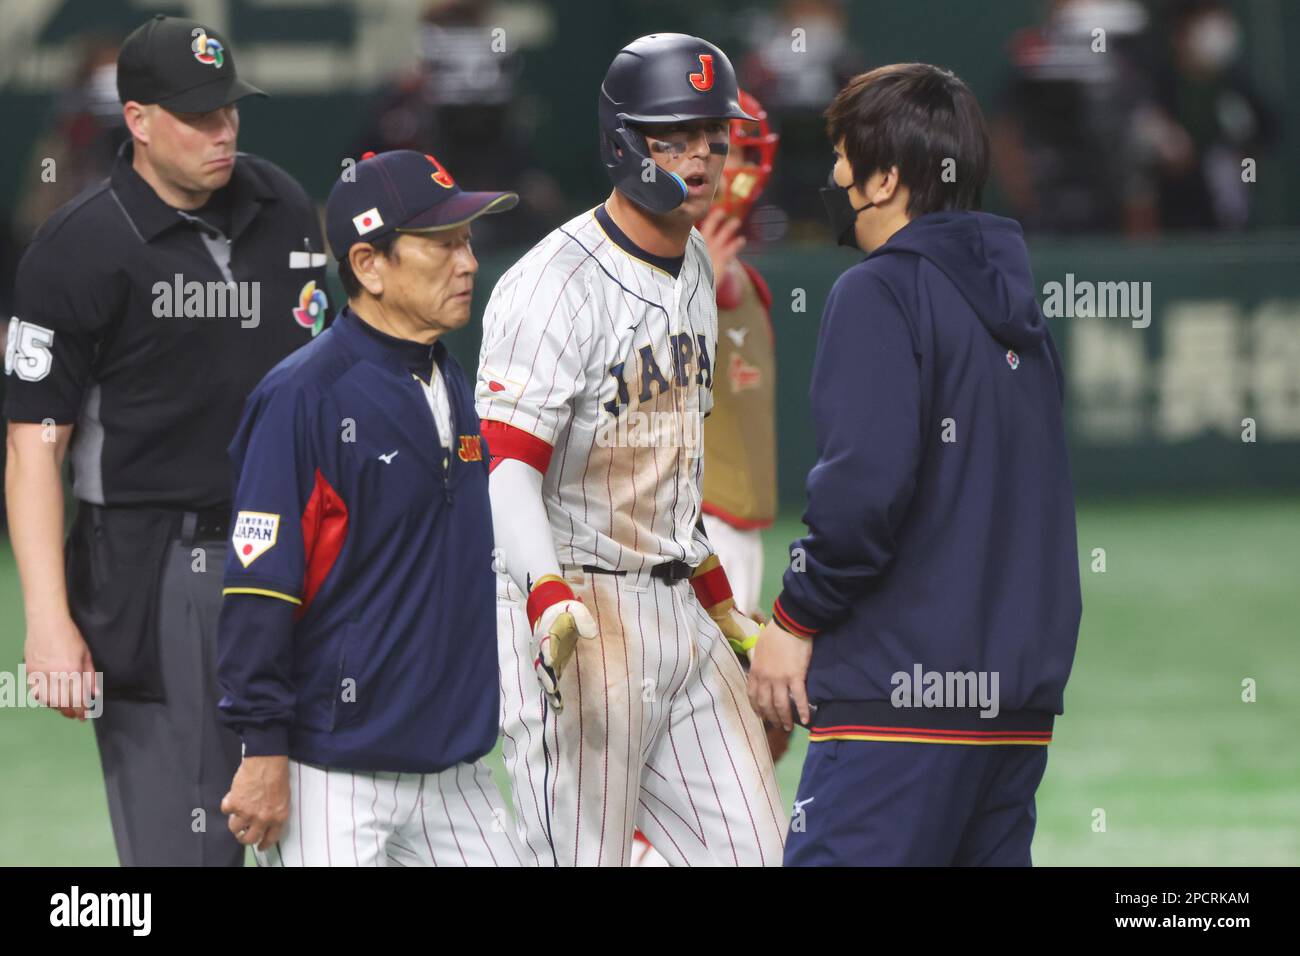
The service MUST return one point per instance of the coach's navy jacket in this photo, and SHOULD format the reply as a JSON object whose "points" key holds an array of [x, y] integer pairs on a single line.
{"points": [[359, 625], [956, 555]]}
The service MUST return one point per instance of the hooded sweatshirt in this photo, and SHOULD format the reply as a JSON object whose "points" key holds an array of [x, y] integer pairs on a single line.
{"points": [[939, 577]]}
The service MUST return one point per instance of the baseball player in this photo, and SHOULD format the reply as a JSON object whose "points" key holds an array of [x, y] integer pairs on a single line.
{"points": [[357, 651], [596, 372], [740, 434]]}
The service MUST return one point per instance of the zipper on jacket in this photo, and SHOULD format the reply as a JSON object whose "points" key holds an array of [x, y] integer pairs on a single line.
{"points": [[451, 418], [426, 398]]}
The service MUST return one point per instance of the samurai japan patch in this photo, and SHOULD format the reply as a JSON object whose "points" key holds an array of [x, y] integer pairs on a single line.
{"points": [[254, 535]]}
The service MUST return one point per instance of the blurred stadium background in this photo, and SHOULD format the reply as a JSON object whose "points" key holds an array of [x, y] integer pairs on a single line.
{"points": [[1167, 157]]}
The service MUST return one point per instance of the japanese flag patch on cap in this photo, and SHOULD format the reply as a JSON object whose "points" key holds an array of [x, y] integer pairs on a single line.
{"points": [[254, 535], [368, 221]]}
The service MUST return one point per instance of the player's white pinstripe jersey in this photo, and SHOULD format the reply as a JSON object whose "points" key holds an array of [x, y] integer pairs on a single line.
{"points": [[594, 347]]}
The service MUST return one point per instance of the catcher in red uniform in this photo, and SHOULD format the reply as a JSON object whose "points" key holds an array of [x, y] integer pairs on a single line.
{"points": [[740, 433]]}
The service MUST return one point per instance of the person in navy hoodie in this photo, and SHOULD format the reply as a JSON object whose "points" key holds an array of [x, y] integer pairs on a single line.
{"points": [[357, 648], [928, 619]]}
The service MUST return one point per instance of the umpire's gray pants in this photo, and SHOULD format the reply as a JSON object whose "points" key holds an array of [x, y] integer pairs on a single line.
{"points": [[167, 765]]}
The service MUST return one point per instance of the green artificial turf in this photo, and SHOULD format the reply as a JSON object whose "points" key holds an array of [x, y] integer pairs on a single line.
{"points": [[1196, 597]]}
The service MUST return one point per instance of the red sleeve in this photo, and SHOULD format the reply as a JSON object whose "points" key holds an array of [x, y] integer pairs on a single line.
{"points": [[764, 296], [324, 531], [728, 291], [507, 441], [760, 285]]}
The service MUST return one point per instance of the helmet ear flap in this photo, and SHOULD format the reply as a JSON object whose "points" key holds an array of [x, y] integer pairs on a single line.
{"points": [[663, 192], [628, 140]]}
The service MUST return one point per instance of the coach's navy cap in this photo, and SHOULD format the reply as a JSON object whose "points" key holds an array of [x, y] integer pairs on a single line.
{"points": [[181, 65], [401, 191]]}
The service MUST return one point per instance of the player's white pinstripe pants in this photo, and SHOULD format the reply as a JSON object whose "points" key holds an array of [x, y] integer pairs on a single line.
{"points": [[359, 818], [656, 732]]}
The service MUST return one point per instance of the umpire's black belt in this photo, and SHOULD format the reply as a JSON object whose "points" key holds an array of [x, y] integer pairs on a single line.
{"points": [[669, 571], [210, 525]]}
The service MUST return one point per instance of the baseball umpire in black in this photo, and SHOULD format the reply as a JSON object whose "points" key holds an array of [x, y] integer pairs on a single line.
{"points": [[146, 310]]}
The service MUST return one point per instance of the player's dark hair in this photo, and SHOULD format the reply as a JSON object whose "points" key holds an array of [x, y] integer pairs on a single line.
{"points": [[384, 246], [914, 116]]}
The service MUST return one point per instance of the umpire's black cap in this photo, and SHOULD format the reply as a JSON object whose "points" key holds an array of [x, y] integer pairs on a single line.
{"points": [[181, 65]]}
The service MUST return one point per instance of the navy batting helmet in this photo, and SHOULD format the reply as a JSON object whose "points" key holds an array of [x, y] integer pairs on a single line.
{"points": [[660, 78]]}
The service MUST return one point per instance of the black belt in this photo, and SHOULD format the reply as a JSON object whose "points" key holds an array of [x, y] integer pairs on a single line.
{"points": [[669, 571], [210, 525]]}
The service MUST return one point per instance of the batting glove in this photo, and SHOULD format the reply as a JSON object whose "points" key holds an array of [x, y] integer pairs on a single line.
{"points": [[558, 619], [713, 591], [739, 630]]}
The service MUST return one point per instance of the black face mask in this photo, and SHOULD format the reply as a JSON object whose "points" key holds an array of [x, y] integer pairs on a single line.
{"points": [[842, 215]]}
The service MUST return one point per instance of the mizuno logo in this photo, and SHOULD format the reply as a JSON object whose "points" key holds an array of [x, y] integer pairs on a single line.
{"points": [[388, 459], [737, 336]]}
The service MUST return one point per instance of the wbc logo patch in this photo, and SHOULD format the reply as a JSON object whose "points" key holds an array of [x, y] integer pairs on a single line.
{"points": [[368, 221], [1013, 359], [312, 306], [206, 50], [254, 535]]}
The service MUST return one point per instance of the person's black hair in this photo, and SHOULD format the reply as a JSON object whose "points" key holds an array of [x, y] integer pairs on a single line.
{"points": [[914, 116], [383, 246]]}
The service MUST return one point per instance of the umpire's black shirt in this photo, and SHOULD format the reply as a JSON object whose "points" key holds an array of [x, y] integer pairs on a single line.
{"points": [[126, 326]]}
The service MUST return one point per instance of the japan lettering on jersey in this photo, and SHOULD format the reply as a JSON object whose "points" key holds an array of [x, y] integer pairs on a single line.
{"points": [[608, 358]]}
